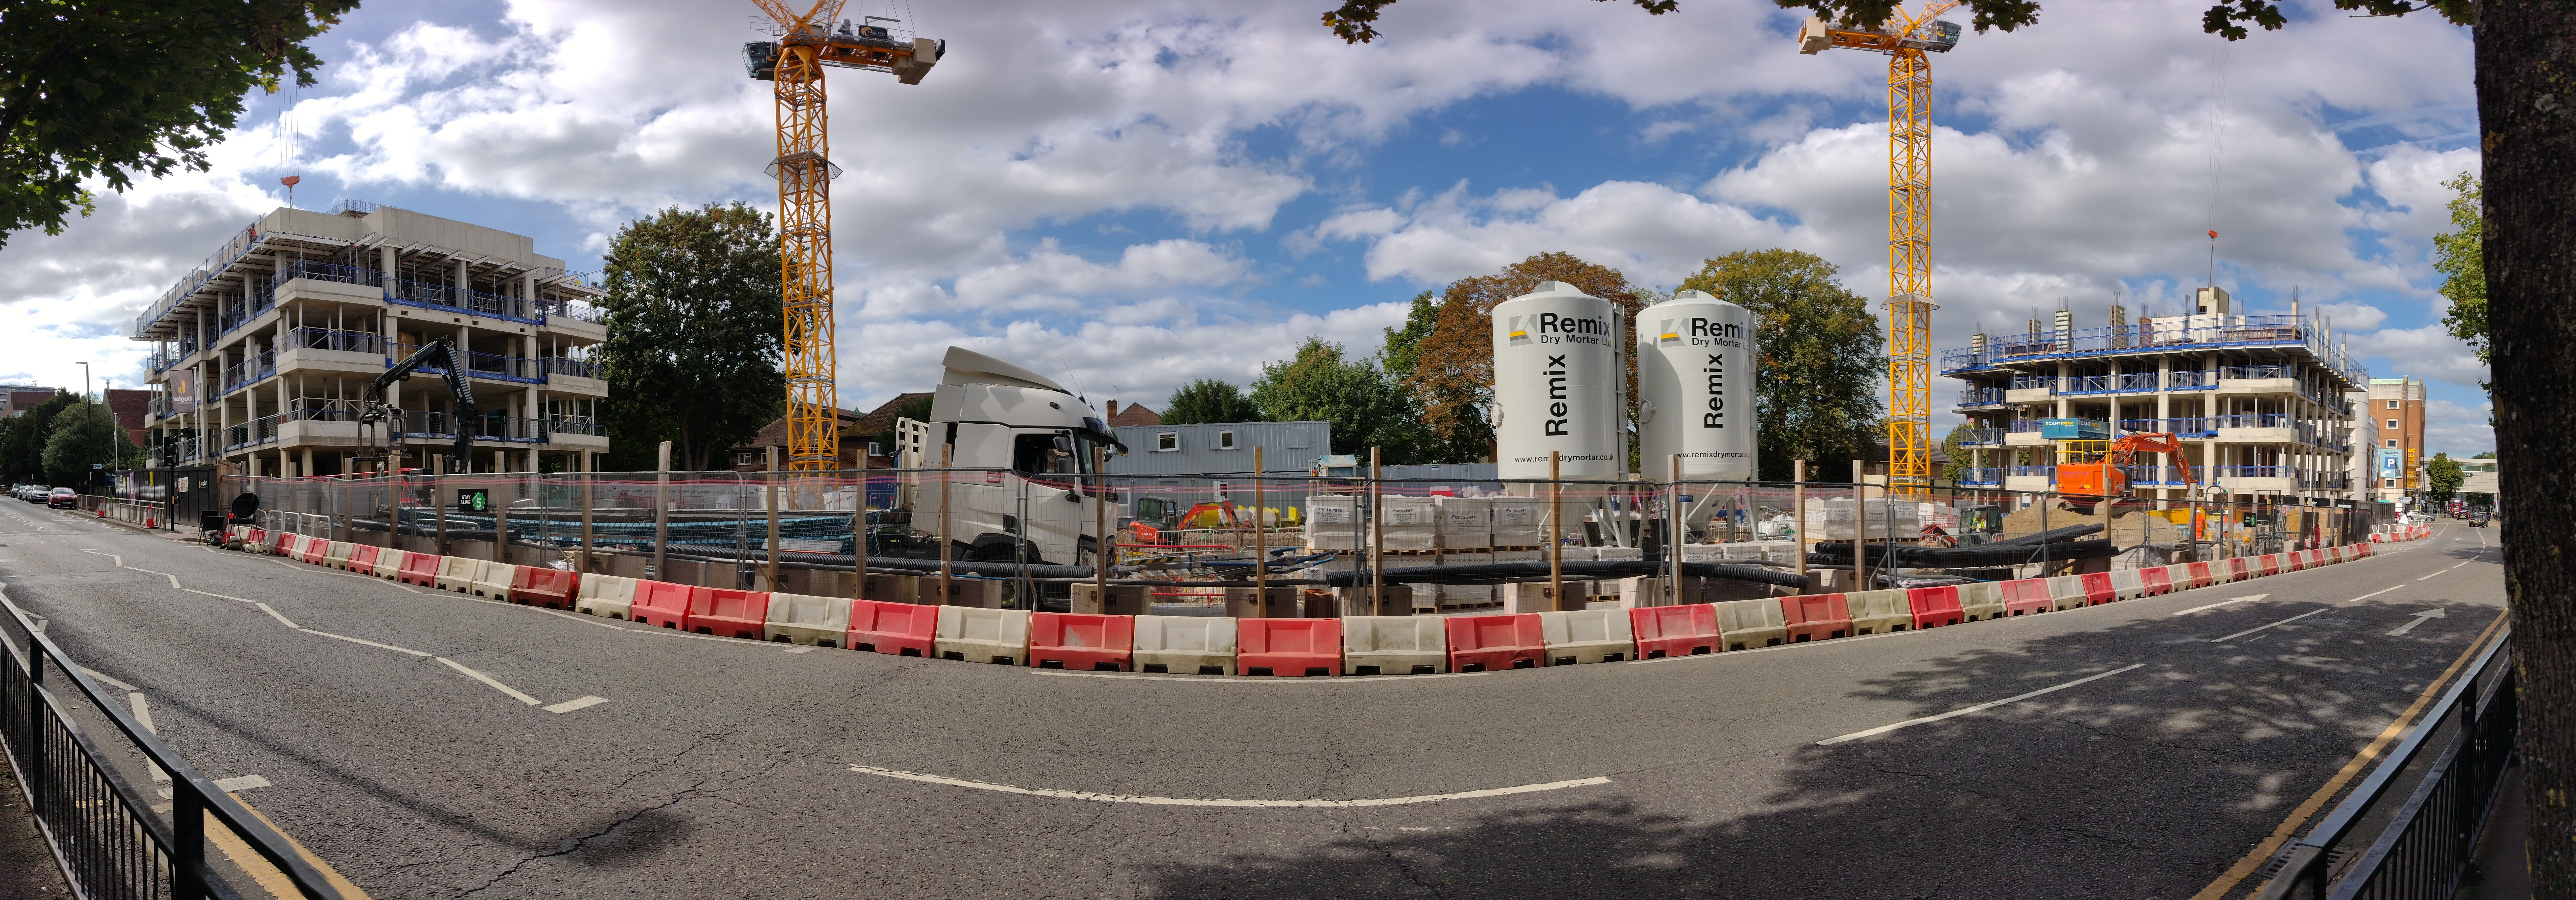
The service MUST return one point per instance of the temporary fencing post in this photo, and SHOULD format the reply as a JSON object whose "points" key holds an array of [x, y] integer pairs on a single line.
{"points": [[947, 456], [586, 479], [1377, 543], [1555, 530], [439, 502], [1104, 546], [1260, 536], [501, 518], [661, 509], [859, 530], [769, 479], [1860, 530], [1673, 537], [1798, 507]]}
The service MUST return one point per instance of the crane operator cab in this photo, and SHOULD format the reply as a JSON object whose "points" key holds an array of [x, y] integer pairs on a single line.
{"points": [[1029, 445]]}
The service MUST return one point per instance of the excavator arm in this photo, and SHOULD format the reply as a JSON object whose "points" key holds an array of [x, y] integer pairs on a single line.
{"points": [[439, 353], [2127, 448]]}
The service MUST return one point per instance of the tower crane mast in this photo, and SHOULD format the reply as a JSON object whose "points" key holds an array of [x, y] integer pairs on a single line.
{"points": [[805, 44], [1905, 38]]}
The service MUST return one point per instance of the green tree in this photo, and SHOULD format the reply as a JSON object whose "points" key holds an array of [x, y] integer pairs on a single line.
{"points": [[1958, 455], [1820, 358], [1209, 400], [22, 444], [82, 435], [1403, 348], [693, 347], [1365, 408], [1452, 377], [2442, 477], [111, 88], [2459, 255]]}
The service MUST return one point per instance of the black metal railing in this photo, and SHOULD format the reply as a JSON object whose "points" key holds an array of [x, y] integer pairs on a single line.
{"points": [[2430, 841], [80, 783]]}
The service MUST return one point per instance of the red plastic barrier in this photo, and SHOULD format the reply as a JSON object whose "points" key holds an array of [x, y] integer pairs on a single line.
{"points": [[1288, 647], [316, 551], [899, 629], [541, 586], [1082, 641], [2368, 550], [2027, 595], [362, 558], [1677, 630], [2271, 563], [728, 612], [1817, 617], [1493, 643], [1938, 606], [256, 537], [2238, 570], [2098, 589], [2159, 579], [2199, 574], [420, 569], [660, 603], [288, 545]]}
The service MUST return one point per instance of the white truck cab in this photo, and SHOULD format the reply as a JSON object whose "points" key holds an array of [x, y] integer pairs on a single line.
{"points": [[1033, 442]]}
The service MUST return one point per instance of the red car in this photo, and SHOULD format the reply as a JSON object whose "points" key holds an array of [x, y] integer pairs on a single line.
{"points": [[63, 498]]}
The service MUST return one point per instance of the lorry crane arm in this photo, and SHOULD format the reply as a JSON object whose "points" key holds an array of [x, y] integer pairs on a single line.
{"points": [[438, 352]]}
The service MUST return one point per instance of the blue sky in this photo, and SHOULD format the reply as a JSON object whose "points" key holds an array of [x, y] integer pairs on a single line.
{"points": [[1139, 194]]}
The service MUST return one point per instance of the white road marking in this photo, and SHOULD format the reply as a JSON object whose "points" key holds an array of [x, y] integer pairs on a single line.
{"points": [[2371, 594], [2434, 613], [118, 560], [1838, 642], [290, 623], [239, 783], [586, 620], [143, 717], [1990, 704], [2429, 576], [366, 642], [570, 705], [218, 596], [2464, 562], [487, 679], [800, 649], [2224, 603], [1209, 679], [1239, 804], [2282, 622], [102, 676]]}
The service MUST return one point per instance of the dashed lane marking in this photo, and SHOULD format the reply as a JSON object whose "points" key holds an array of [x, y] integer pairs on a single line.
{"points": [[1990, 704], [2275, 624], [487, 679], [2218, 604], [570, 705], [1237, 804], [272, 613], [366, 642], [2371, 594]]}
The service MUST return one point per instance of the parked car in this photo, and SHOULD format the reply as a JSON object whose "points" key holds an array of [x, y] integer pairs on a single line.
{"points": [[2478, 519], [63, 498], [36, 493]]}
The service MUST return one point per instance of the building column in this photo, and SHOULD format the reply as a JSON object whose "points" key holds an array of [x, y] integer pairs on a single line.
{"points": [[528, 345], [306, 467]]}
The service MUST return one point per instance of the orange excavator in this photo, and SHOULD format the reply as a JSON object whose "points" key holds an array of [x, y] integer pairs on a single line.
{"points": [[2106, 477]]}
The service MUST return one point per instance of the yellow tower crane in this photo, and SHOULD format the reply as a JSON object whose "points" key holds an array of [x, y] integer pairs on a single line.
{"points": [[1904, 38], [794, 62]]}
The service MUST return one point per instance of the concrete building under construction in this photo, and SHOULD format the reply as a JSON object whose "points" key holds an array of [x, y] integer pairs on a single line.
{"points": [[2262, 403], [263, 354]]}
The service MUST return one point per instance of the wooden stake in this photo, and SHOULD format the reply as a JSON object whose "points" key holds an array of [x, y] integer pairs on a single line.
{"points": [[1555, 532], [1377, 542]]}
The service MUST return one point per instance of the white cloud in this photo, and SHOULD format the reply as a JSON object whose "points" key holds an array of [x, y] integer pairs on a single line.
{"points": [[2428, 352], [2461, 431]]}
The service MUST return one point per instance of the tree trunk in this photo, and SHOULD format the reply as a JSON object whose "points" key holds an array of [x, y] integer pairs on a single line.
{"points": [[2526, 59]]}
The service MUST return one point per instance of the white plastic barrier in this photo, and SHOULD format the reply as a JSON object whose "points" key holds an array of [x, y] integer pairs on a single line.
{"points": [[983, 635], [1189, 645], [1747, 624], [337, 554], [492, 579], [1587, 636], [389, 563], [1394, 645], [2221, 571], [807, 619], [1978, 601], [606, 595], [2126, 584], [2066, 592], [1879, 612], [456, 573]]}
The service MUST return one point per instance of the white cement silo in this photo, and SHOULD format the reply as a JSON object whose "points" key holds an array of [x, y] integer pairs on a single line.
{"points": [[1559, 384], [1695, 368]]}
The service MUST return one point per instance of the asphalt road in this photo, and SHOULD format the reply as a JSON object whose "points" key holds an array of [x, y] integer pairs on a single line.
{"points": [[727, 768]]}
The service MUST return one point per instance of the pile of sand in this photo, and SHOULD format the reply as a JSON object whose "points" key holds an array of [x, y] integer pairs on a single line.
{"points": [[2128, 529]]}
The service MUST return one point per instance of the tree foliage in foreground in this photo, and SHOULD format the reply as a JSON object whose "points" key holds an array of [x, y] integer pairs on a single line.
{"points": [[107, 89]]}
